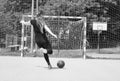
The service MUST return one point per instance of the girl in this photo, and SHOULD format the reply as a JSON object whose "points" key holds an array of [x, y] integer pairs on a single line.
{"points": [[41, 39]]}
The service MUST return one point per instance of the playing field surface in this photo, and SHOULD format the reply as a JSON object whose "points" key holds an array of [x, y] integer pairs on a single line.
{"points": [[76, 69]]}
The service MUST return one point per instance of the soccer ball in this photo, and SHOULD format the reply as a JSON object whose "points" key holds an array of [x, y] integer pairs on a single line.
{"points": [[60, 64]]}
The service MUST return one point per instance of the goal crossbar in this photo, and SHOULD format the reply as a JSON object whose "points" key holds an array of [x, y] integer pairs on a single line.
{"points": [[45, 16]]}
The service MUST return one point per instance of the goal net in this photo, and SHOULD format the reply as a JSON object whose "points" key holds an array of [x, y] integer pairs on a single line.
{"points": [[71, 33]]}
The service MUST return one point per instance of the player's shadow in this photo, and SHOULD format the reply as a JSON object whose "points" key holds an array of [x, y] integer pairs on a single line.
{"points": [[47, 67]]}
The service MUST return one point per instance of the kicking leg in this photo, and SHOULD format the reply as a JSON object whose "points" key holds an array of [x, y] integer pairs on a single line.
{"points": [[45, 52], [47, 60]]}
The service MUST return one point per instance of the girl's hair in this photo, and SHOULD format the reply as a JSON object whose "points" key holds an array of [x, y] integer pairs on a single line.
{"points": [[40, 23]]}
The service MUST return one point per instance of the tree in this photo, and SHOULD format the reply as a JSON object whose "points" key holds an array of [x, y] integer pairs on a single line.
{"points": [[17, 5], [49, 7], [66, 7]]}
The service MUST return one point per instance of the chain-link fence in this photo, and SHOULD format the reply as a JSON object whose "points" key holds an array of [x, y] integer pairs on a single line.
{"points": [[104, 44]]}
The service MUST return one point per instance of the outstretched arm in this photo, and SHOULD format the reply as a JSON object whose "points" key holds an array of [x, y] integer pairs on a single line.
{"points": [[49, 31], [25, 22]]}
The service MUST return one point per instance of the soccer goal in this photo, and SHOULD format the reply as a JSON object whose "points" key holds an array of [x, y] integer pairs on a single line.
{"points": [[71, 32]]}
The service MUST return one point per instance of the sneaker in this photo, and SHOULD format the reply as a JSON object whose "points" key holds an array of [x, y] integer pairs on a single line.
{"points": [[49, 67]]}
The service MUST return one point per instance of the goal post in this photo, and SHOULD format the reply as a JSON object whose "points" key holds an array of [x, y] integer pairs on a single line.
{"points": [[71, 33], [24, 36], [82, 30]]}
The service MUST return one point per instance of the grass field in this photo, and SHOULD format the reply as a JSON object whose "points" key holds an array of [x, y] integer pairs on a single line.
{"points": [[62, 53], [105, 53], [76, 69], [105, 50]]}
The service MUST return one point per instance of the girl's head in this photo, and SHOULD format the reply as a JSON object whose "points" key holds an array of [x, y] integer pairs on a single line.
{"points": [[40, 14], [40, 21]]}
